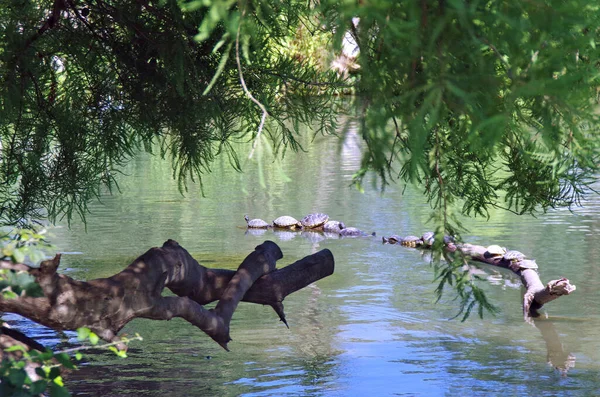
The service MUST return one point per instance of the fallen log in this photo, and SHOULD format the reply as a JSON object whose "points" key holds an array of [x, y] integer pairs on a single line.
{"points": [[106, 305], [536, 293]]}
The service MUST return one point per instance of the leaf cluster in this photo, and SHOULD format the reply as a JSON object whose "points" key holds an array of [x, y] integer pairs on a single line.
{"points": [[15, 379], [85, 85], [484, 103]]}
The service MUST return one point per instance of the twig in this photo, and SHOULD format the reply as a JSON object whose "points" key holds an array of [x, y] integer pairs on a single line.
{"points": [[299, 80], [88, 347], [248, 93], [499, 56]]}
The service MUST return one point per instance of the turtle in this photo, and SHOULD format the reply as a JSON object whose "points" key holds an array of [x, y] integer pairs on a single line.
{"points": [[313, 221], [333, 226], [449, 240], [513, 256], [428, 238], [411, 241], [287, 222], [256, 223], [354, 232], [393, 239], [528, 264], [494, 251], [450, 243]]}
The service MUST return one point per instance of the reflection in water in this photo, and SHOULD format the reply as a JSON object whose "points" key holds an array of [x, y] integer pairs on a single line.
{"points": [[256, 232], [285, 235], [369, 329], [557, 357]]}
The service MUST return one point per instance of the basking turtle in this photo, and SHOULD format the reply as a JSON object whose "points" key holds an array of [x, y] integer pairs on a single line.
{"points": [[411, 241], [333, 226], [428, 238], [527, 264], [287, 222], [393, 239], [354, 232], [313, 221], [449, 240], [513, 256], [256, 223], [495, 251]]}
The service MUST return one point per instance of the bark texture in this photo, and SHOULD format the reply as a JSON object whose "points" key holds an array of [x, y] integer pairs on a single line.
{"points": [[105, 305]]}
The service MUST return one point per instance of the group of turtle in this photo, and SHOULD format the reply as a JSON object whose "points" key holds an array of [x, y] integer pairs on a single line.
{"points": [[314, 222], [321, 223], [514, 258], [425, 241]]}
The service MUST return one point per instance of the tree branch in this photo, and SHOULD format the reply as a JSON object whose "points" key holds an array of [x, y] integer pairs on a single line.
{"points": [[106, 305]]}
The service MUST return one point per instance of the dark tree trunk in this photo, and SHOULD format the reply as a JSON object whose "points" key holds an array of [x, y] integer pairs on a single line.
{"points": [[105, 305]]}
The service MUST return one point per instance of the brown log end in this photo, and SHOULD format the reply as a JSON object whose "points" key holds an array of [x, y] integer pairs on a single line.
{"points": [[560, 287], [271, 249], [171, 244], [50, 266]]}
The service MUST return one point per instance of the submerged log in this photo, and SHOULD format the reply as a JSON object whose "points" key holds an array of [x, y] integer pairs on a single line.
{"points": [[106, 305]]}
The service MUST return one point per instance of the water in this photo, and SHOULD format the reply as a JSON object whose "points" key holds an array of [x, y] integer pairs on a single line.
{"points": [[369, 329]]}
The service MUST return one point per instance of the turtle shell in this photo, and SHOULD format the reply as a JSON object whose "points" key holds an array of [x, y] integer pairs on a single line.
{"points": [[312, 221], [352, 232], [514, 256], [495, 250], [528, 264], [286, 222], [449, 240], [256, 223], [393, 239], [333, 226], [411, 241], [428, 238]]}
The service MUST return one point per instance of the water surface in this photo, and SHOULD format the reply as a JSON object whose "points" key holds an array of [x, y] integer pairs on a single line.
{"points": [[369, 329]]}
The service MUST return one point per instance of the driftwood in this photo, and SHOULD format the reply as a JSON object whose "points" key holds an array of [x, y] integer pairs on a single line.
{"points": [[536, 293], [105, 305]]}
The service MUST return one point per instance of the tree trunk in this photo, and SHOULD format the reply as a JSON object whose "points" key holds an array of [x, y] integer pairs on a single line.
{"points": [[105, 305]]}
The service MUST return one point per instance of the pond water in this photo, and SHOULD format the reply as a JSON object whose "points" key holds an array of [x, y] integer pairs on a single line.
{"points": [[372, 328]]}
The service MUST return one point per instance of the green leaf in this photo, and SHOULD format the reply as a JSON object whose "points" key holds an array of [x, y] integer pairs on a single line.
{"points": [[38, 387], [83, 333], [17, 377], [15, 348], [65, 360], [58, 391], [18, 256], [93, 338], [220, 68]]}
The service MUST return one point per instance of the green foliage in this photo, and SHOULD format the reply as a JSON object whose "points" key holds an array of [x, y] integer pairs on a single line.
{"points": [[482, 102], [85, 85], [20, 246], [48, 366], [485, 104]]}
